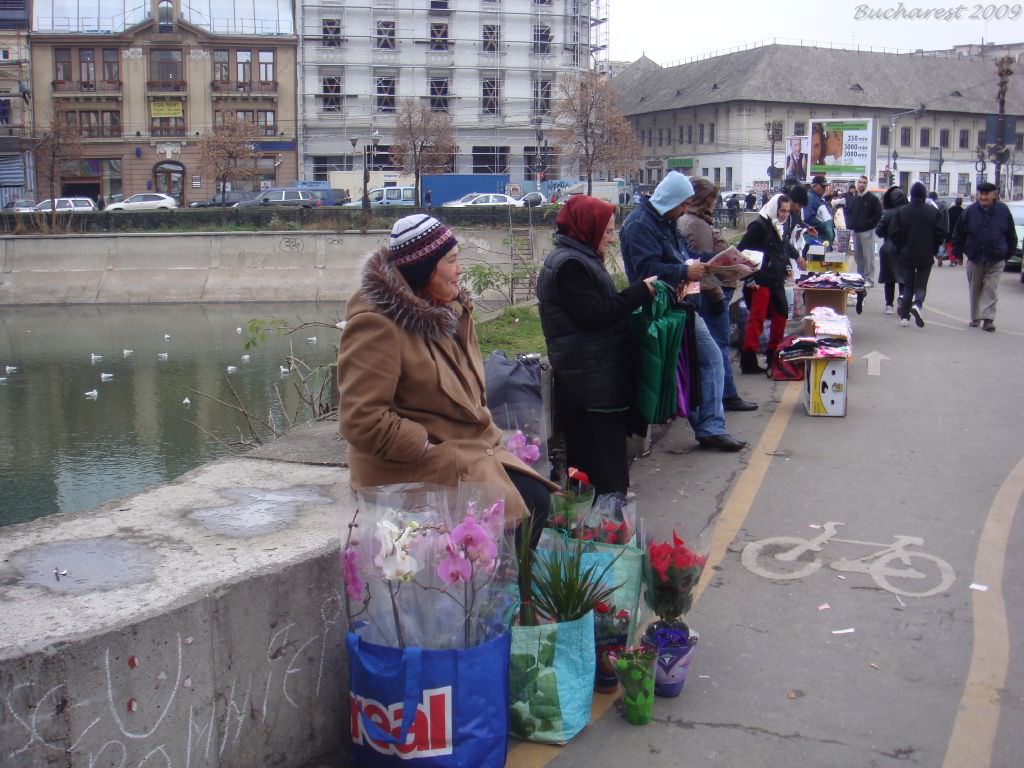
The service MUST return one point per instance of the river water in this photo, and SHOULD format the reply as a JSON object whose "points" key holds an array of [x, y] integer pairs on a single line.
{"points": [[62, 451]]}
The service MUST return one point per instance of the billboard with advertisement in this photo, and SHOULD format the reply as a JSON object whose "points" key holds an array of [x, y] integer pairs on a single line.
{"points": [[842, 146], [798, 150]]}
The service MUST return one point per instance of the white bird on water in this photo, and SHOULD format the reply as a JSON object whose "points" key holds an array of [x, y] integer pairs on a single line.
{"points": [[285, 370], [161, 355], [10, 368], [238, 330], [167, 337], [245, 358], [127, 352], [93, 357], [232, 368], [3, 379], [186, 402], [106, 377], [311, 340], [92, 394]]}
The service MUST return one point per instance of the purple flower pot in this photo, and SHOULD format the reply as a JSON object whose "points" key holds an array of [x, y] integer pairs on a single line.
{"points": [[675, 652]]}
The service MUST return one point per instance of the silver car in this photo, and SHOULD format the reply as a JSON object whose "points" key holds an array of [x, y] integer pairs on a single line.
{"points": [[144, 201], [67, 205]]}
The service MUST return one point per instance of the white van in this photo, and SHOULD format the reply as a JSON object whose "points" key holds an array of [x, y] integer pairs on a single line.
{"points": [[381, 196]]}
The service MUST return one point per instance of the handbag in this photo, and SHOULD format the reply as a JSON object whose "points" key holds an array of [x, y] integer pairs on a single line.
{"points": [[443, 709]]}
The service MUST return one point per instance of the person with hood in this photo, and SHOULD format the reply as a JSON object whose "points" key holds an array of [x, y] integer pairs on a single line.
{"points": [[893, 199], [766, 293], [651, 245], [986, 235], [699, 235], [916, 231], [586, 327], [817, 212], [413, 405]]}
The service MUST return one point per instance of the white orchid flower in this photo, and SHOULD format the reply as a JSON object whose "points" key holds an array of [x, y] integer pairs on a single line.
{"points": [[393, 559]]}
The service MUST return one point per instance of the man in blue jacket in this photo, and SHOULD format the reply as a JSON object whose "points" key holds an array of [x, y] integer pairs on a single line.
{"points": [[817, 212], [985, 233], [651, 245]]}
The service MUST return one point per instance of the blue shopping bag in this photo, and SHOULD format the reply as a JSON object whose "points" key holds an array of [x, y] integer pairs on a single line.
{"points": [[444, 709]]}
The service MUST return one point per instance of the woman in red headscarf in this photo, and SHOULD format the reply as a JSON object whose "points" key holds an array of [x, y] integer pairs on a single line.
{"points": [[586, 326]]}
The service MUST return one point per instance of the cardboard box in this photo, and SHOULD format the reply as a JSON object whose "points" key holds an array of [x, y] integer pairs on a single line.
{"points": [[825, 386], [835, 298]]}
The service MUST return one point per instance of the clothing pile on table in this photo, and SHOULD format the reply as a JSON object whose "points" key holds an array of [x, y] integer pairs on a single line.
{"points": [[836, 280], [827, 334]]}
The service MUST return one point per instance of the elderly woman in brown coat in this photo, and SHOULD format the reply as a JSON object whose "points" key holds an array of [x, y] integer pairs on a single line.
{"points": [[413, 406]]}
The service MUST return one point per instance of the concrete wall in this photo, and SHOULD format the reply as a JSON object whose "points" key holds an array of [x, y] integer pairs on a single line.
{"points": [[206, 267]]}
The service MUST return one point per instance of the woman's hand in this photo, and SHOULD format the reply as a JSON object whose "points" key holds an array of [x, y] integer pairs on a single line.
{"points": [[650, 283]]}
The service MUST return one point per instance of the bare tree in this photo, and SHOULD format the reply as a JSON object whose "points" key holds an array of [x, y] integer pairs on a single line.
{"points": [[424, 140], [58, 145], [591, 128], [228, 153]]}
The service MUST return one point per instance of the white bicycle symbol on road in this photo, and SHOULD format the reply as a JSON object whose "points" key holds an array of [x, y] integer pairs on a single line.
{"points": [[788, 557]]}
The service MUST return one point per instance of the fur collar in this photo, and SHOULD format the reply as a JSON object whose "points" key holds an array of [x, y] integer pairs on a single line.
{"points": [[386, 291]]}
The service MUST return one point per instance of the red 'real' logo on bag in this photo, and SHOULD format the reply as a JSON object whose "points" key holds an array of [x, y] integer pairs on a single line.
{"points": [[429, 736]]}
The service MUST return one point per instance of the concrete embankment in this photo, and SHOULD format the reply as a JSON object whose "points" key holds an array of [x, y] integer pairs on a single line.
{"points": [[212, 266], [199, 623]]}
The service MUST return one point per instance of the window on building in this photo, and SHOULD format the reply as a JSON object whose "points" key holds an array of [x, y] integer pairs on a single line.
{"points": [[330, 33], [943, 184], [380, 158], [700, 135], [711, 133], [165, 65], [243, 66], [904, 137], [963, 183], [323, 165], [981, 138], [110, 125], [728, 177], [87, 65], [541, 39], [682, 134], [222, 66], [926, 137], [5, 111], [689, 134], [331, 89], [167, 126], [386, 87], [439, 36], [883, 135], [266, 121], [490, 94], [266, 66], [661, 137], [704, 172], [965, 139], [386, 35], [542, 90], [89, 124], [111, 65], [491, 38], [62, 72], [800, 128], [944, 138], [490, 159], [1018, 142], [439, 94], [165, 16], [924, 177]]}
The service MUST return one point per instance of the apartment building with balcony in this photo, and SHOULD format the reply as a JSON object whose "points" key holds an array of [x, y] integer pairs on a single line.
{"points": [[143, 85], [15, 93], [493, 65]]}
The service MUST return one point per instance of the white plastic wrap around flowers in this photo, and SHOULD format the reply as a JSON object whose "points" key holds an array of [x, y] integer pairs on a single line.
{"points": [[428, 566]]}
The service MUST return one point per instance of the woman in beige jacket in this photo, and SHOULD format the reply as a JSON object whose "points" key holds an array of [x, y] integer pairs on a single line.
{"points": [[413, 406]]}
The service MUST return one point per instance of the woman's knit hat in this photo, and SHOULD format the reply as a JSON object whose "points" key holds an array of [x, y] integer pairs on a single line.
{"points": [[417, 243]]}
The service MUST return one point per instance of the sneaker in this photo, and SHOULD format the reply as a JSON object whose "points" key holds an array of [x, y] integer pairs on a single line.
{"points": [[889, 309], [974, 323], [918, 314], [904, 322], [988, 325]]}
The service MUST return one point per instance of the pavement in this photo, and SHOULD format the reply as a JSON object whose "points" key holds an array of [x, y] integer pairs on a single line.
{"points": [[846, 667]]}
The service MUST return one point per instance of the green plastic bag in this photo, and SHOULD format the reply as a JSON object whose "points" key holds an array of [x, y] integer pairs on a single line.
{"points": [[628, 572], [657, 331], [551, 680]]}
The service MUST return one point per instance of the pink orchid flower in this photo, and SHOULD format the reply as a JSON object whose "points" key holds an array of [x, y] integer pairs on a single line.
{"points": [[523, 449], [353, 584], [454, 568], [475, 541]]}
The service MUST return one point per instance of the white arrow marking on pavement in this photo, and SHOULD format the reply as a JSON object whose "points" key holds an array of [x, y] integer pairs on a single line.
{"points": [[875, 359]]}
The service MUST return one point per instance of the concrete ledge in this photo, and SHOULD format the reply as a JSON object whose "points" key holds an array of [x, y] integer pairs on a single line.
{"points": [[199, 623]]}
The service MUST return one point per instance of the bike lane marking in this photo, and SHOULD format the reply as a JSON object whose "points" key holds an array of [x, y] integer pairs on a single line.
{"points": [[974, 731], [526, 754]]}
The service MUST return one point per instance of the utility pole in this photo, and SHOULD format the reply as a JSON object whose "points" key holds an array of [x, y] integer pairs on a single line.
{"points": [[773, 130], [1004, 72]]}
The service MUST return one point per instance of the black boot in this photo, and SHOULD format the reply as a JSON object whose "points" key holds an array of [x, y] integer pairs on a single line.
{"points": [[771, 362], [748, 362]]}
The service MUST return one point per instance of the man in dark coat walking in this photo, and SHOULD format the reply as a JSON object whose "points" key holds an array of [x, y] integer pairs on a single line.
{"points": [[985, 233], [952, 217], [916, 230]]}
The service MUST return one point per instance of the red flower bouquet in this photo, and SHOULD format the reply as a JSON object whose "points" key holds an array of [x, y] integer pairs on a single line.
{"points": [[674, 572]]}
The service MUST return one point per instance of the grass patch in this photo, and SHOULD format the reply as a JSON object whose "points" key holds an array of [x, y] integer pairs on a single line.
{"points": [[515, 330]]}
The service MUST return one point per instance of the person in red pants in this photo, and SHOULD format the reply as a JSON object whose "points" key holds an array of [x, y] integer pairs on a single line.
{"points": [[766, 288]]}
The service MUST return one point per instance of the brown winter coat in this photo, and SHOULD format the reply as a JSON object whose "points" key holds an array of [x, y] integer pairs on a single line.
{"points": [[409, 371]]}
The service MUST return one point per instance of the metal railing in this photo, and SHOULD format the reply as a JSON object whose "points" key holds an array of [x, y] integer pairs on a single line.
{"points": [[244, 89], [87, 86], [176, 86]]}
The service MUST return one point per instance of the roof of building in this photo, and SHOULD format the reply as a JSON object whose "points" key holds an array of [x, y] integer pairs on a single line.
{"points": [[807, 75]]}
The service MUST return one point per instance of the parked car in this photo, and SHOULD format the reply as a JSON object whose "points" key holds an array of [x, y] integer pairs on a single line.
{"points": [[222, 199], [1017, 211], [144, 201], [386, 196], [300, 198], [532, 199], [482, 200], [67, 205], [20, 206]]}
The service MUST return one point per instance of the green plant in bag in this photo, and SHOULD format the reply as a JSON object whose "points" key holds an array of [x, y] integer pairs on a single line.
{"points": [[565, 591]]}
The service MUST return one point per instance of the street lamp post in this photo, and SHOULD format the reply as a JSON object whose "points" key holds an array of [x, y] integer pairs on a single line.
{"points": [[773, 129]]}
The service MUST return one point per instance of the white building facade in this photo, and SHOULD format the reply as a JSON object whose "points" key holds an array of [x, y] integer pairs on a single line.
{"points": [[492, 65]]}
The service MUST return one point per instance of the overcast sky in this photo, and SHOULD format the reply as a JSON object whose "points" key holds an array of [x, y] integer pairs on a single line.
{"points": [[671, 31]]}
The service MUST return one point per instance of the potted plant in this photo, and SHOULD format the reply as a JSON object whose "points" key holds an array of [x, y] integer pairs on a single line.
{"points": [[569, 506], [673, 571], [611, 636], [636, 670]]}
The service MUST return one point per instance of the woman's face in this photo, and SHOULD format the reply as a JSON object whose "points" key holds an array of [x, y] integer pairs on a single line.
{"points": [[608, 237], [443, 284], [783, 212]]}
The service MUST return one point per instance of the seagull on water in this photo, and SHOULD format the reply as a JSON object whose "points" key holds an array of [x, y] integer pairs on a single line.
{"points": [[167, 337], [232, 368], [245, 358], [161, 355], [92, 394], [10, 368], [93, 357], [311, 340], [106, 377], [340, 325], [285, 370], [238, 330], [127, 352], [186, 402]]}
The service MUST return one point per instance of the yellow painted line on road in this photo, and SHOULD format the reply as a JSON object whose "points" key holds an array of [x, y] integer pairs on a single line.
{"points": [[734, 513], [974, 730]]}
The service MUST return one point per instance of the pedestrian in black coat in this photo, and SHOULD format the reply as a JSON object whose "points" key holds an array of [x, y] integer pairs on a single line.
{"points": [[893, 199], [917, 230]]}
